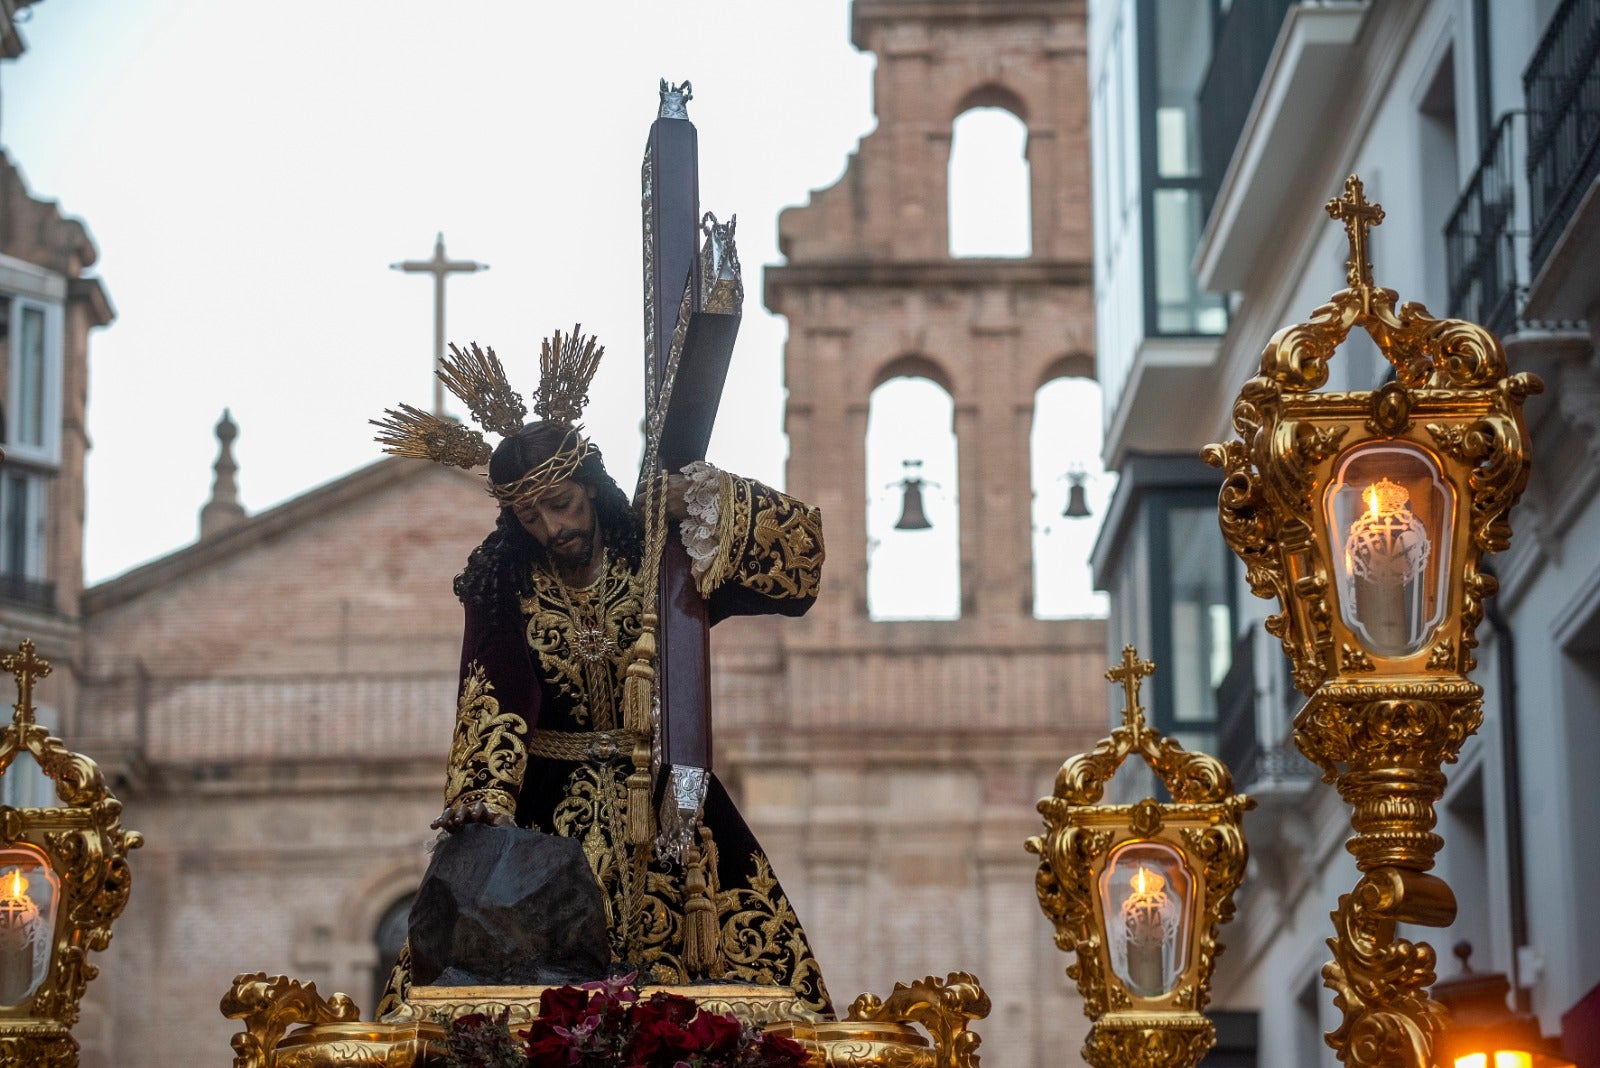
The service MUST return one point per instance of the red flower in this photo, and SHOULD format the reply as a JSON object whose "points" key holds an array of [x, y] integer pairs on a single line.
{"points": [[657, 1041], [546, 1047], [772, 1050], [564, 1005], [714, 1034], [663, 1006]]}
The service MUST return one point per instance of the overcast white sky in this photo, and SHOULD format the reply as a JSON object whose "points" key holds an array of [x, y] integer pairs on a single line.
{"points": [[250, 171]]}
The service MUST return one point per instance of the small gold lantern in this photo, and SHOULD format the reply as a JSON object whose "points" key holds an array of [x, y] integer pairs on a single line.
{"points": [[1366, 515], [63, 879], [1138, 892]]}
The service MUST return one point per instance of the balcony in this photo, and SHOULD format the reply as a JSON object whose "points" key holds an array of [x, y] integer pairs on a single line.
{"points": [[1485, 239], [1562, 86], [1239, 57], [1279, 146], [1266, 771], [20, 590]]}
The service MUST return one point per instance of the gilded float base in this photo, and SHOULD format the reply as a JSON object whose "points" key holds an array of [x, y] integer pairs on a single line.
{"points": [[862, 1044], [37, 1044], [758, 1005], [879, 1033], [1128, 1040], [361, 1045]]}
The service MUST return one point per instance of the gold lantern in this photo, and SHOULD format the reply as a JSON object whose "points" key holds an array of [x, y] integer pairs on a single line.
{"points": [[1365, 515], [63, 879], [1138, 892]]}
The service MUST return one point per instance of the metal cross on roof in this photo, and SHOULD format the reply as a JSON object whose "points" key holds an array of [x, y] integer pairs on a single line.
{"points": [[440, 266]]}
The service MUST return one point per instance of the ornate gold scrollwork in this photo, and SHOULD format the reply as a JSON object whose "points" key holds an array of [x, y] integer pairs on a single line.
{"points": [[1380, 726], [945, 1008], [87, 849], [1204, 824], [270, 1006]]}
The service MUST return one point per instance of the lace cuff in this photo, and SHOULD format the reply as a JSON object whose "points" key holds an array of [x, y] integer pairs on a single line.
{"points": [[702, 531]]}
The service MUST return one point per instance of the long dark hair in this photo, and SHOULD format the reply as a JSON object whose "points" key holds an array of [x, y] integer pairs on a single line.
{"points": [[499, 573]]}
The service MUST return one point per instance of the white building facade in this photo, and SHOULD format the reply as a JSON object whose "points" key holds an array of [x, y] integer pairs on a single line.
{"points": [[1220, 129]]}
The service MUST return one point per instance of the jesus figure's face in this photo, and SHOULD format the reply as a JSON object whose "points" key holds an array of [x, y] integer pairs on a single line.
{"points": [[564, 522]]}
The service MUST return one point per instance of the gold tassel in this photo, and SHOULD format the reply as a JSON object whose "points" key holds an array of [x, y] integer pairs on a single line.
{"points": [[702, 942], [638, 692]]}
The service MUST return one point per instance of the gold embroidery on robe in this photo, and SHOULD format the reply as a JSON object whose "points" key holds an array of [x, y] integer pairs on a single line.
{"points": [[563, 624], [771, 543], [487, 754]]}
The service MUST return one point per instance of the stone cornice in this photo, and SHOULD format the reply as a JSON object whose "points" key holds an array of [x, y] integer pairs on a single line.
{"points": [[925, 274]]}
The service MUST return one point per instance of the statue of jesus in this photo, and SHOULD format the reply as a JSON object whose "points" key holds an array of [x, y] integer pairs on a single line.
{"points": [[557, 598]]}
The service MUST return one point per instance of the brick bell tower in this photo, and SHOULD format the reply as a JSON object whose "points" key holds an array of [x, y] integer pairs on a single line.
{"points": [[898, 780], [871, 291]]}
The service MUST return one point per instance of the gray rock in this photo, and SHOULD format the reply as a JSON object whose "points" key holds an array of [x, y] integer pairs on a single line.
{"points": [[505, 906]]}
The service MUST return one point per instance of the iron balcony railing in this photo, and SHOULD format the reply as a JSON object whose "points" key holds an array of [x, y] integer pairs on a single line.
{"points": [[1254, 764], [1562, 86], [1239, 56], [19, 589], [1485, 240]]}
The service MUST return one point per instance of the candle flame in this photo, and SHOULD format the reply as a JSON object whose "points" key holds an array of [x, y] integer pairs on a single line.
{"points": [[18, 888], [1371, 497], [1146, 882]]}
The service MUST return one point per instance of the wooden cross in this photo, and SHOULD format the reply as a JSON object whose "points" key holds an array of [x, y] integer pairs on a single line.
{"points": [[1129, 672], [441, 267], [672, 226], [1359, 216], [27, 667]]}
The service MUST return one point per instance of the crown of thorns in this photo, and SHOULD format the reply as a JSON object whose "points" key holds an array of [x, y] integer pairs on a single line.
{"points": [[567, 363]]}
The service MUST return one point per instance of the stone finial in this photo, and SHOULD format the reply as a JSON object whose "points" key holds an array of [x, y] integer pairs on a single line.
{"points": [[223, 511]]}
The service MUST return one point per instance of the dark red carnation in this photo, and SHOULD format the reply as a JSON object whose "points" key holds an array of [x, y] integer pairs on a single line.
{"points": [[772, 1050], [714, 1034], [663, 1006], [566, 1005], [546, 1048], [657, 1041]]}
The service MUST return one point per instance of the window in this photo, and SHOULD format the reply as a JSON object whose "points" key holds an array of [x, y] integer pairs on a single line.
{"points": [[1065, 450], [912, 573], [1175, 52], [990, 185], [30, 351], [30, 347]]}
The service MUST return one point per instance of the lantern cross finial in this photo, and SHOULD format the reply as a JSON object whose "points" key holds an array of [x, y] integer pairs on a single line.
{"points": [[1129, 672], [28, 668], [1359, 215]]}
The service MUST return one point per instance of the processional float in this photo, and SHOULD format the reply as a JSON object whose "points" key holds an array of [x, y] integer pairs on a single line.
{"points": [[1365, 514]]}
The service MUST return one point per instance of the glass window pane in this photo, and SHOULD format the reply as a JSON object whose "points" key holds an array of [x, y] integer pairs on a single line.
{"points": [[1183, 51], [1200, 617], [30, 378], [1180, 306], [15, 532]]}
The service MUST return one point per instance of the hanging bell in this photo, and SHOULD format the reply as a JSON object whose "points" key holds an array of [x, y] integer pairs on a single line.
{"points": [[1077, 503], [912, 517]]}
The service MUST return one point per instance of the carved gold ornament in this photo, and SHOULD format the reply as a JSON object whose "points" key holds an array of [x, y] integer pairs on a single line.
{"points": [[1138, 892], [1365, 515], [64, 879]]}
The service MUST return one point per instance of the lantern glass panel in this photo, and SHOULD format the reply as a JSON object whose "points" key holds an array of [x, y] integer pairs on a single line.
{"points": [[1147, 895], [29, 894], [1390, 515]]}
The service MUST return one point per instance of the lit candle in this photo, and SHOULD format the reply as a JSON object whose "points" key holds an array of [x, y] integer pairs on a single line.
{"points": [[1149, 923], [19, 922], [1385, 554]]}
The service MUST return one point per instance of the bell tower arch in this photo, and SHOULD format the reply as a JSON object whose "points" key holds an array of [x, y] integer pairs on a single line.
{"points": [[904, 771], [868, 278]]}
